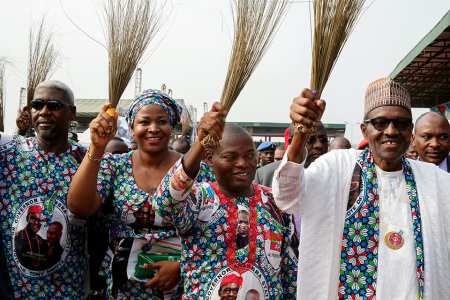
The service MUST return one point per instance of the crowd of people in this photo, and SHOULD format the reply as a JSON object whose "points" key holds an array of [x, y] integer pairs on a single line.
{"points": [[169, 219]]}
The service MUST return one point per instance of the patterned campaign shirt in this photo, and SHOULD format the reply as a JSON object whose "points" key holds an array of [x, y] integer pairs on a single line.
{"points": [[43, 243], [222, 241], [136, 230]]}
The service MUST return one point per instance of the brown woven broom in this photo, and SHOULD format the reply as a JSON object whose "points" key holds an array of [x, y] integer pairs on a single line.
{"points": [[334, 21], [131, 25], [255, 22], [41, 58]]}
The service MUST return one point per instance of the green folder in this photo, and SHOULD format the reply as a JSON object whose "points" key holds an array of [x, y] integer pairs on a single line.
{"points": [[148, 258]]}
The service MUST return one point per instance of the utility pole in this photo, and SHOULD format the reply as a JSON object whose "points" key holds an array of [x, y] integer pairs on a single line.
{"points": [[22, 98], [138, 82]]}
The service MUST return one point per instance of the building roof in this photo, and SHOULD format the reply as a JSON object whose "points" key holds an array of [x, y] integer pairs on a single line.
{"points": [[283, 125], [89, 108], [425, 70]]}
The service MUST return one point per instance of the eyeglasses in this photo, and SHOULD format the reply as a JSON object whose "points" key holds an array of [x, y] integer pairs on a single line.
{"points": [[382, 123], [52, 105]]}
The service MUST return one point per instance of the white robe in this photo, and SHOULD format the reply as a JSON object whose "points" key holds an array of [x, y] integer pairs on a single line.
{"points": [[320, 195]]}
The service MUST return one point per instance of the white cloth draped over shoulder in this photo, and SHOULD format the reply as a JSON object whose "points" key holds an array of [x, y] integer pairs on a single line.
{"points": [[320, 195]]}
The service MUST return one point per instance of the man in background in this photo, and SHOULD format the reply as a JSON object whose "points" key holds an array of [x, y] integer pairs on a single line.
{"points": [[181, 145], [116, 146], [340, 142], [279, 152], [431, 139], [317, 145], [266, 152]]}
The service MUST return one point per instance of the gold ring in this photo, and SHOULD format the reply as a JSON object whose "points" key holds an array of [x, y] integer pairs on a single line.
{"points": [[306, 130]]}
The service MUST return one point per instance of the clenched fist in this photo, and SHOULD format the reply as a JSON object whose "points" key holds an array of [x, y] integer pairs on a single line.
{"points": [[306, 111]]}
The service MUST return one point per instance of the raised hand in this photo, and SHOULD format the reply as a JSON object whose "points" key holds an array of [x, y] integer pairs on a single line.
{"points": [[212, 122], [103, 128], [306, 110], [23, 121]]}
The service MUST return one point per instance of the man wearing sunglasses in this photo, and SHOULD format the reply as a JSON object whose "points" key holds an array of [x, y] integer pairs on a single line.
{"points": [[431, 139], [374, 224], [35, 173]]}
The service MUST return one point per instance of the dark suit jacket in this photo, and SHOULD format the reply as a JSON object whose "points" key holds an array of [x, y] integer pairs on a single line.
{"points": [[448, 164], [264, 175]]}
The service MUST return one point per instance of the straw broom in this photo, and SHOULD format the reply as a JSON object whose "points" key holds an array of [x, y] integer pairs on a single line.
{"points": [[131, 25], [334, 21], [41, 58], [255, 23]]}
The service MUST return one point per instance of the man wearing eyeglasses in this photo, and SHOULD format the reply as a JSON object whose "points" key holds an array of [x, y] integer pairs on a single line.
{"points": [[35, 173], [431, 139], [374, 224]]}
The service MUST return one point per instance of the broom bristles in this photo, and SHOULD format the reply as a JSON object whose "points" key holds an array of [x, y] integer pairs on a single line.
{"points": [[131, 25], [255, 23], [41, 58], [334, 21]]}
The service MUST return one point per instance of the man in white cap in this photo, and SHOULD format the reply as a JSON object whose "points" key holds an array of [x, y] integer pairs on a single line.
{"points": [[374, 225]]}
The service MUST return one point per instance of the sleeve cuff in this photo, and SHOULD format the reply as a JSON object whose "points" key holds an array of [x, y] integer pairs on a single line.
{"points": [[180, 183], [288, 168]]}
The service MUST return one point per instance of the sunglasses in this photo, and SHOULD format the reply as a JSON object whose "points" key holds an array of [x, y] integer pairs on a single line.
{"points": [[381, 123], [52, 105]]}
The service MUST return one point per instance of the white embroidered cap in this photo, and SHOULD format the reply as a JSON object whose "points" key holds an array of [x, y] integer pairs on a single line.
{"points": [[386, 92]]}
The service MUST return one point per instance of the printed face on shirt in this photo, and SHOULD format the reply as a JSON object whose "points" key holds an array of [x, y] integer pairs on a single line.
{"points": [[229, 291], [54, 233], [34, 222], [234, 162], [242, 230], [431, 138], [151, 129], [142, 219], [39, 246], [388, 144], [243, 223], [51, 124], [252, 295]]}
